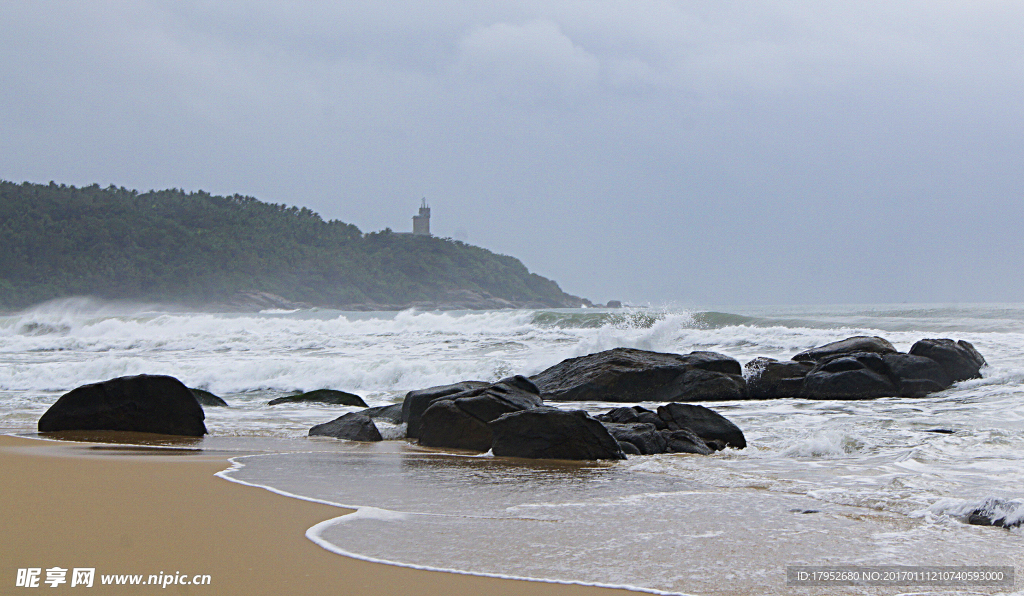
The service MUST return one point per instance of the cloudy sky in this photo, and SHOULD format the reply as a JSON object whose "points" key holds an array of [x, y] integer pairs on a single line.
{"points": [[700, 152]]}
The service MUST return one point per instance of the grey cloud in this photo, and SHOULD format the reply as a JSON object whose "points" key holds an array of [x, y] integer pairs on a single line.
{"points": [[649, 150], [516, 57]]}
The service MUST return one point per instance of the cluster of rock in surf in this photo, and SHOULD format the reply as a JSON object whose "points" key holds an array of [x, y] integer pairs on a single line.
{"points": [[865, 368], [510, 417]]}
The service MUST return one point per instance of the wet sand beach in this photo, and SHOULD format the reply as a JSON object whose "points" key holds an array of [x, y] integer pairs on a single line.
{"points": [[147, 511]]}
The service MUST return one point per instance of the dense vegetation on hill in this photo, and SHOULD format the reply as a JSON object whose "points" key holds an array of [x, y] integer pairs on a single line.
{"points": [[59, 241]]}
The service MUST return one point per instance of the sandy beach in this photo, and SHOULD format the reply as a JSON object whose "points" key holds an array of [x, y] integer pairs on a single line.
{"points": [[125, 510]]}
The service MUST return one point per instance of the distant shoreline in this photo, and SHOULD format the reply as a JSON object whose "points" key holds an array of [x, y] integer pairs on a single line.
{"points": [[457, 300], [239, 253]]}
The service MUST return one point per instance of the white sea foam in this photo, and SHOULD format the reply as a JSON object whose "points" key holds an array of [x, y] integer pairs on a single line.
{"points": [[1003, 511], [828, 443]]}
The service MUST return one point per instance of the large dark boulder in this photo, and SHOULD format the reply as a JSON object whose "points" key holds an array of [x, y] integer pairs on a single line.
{"points": [[549, 433], [645, 437], [444, 424], [959, 359], [508, 395], [768, 378], [860, 375], [460, 420], [417, 402], [860, 343], [630, 375], [916, 376], [640, 431], [354, 426], [144, 403], [205, 398], [686, 441], [321, 396], [707, 424]]}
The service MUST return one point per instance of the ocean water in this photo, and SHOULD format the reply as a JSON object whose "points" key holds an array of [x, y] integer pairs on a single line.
{"points": [[822, 482]]}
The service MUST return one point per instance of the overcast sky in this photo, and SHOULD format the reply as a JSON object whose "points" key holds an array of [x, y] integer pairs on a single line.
{"points": [[697, 152]]}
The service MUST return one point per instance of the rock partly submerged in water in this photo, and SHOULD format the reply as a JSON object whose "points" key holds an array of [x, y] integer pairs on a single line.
{"points": [[997, 512], [916, 376], [642, 438], [631, 375], [360, 426], [205, 398], [706, 423], [959, 359], [768, 378], [466, 415], [321, 396], [417, 402], [638, 438], [143, 403], [859, 375], [460, 420], [550, 433], [354, 426], [461, 415], [865, 368], [682, 428]]}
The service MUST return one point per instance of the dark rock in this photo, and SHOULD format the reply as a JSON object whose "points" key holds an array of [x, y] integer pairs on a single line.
{"points": [[627, 414], [205, 398], [918, 387], [686, 441], [482, 405], [391, 413], [768, 378], [144, 403], [917, 376], [629, 448], [645, 437], [508, 395], [630, 375], [960, 360], [860, 375], [706, 424], [715, 444], [997, 512], [321, 396], [703, 385], [354, 426], [549, 433], [446, 425], [860, 343], [623, 415], [614, 304], [417, 402], [941, 431]]}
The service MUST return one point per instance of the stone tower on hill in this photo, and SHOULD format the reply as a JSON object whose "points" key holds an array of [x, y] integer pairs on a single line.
{"points": [[421, 222]]}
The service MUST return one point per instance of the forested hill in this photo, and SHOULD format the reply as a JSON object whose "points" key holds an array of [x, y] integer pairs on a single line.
{"points": [[198, 249]]}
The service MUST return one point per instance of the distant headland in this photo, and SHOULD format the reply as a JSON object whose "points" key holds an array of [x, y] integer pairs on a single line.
{"points": [[238, 253]]}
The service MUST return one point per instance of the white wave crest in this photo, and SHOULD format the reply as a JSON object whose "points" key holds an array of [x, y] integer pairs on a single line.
{"points": [[826, 444]]}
